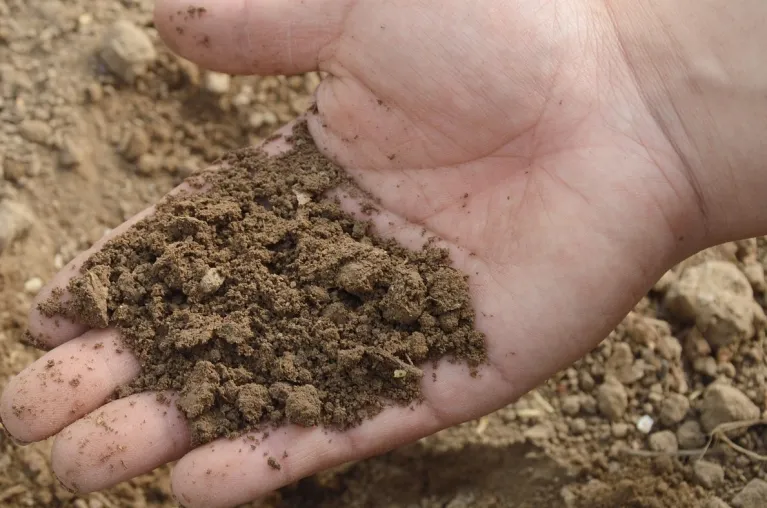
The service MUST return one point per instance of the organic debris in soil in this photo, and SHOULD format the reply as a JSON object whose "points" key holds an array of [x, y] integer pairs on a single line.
{"points": [[261, 302]]}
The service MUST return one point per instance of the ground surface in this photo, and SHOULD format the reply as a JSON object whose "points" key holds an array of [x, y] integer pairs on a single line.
{"points": [[80, 151]]}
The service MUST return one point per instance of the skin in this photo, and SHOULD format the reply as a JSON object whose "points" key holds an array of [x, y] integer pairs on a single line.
{"points": [[582, 133]]}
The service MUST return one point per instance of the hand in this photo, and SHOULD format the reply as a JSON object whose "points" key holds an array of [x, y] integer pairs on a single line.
{"points": [[518, 132]]}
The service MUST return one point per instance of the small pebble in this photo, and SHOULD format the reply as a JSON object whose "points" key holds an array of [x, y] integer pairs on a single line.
{"points": [[723, 404], [585, 381], [148, 164], [645, 424], [620, 430], [216, 82], [135, 143], [127, 50], [15, 220], [258, 119], [754, 272], [673, 409], [663, 441], [33, 286], [705, 365], [753, 495], [578, 426], [211, 281], [708, 474], [35, 131], [612, 399], [690, 435], [540, 432], [71, 154], [728, 369], [571, 405]]}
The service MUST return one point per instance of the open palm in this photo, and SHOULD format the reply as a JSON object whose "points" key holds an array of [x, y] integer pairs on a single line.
{"points": [[512, 131]]}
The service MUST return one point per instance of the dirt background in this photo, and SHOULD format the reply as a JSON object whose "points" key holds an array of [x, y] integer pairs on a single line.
{"points": [[81, 151]]}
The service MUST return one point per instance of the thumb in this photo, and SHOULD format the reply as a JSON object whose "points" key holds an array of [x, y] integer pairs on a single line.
{"points": [[266, 37]]}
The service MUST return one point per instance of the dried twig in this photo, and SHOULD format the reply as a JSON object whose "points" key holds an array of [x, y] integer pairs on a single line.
{"points": [[720, 432]]}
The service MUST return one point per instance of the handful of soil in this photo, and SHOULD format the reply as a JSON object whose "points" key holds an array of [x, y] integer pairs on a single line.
{"points": [[261, 302]]}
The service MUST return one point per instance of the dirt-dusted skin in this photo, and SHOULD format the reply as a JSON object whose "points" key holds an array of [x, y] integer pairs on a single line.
{"points": [[262, 302]]}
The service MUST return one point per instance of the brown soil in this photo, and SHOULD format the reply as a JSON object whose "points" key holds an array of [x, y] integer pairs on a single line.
{"points": [[261, 301], [81, 151]]}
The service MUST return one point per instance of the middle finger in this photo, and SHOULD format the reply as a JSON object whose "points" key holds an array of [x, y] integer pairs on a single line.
{"points": [[123, 439]]}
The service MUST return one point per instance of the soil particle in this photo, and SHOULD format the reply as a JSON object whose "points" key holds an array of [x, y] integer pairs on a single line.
{"points": [[715, 502], [303, 406], [673, 409], [723, 403], [406, 298], [621, 365], [35, 131], [619, 430], [89, 297], [210, 282], [754, 272], [199, 392], [753, 495], [612, 398], [148, 164], [16, 219], [663, 441], [134, 144], [690, 436], [225, 293], [33, 285], [708, 474], [719, 298], [571, 405], [127, 50], [253, 400], [72, 153]]}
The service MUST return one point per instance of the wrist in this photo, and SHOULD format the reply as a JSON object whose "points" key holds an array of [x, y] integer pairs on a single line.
{"points": [[700, 69]]}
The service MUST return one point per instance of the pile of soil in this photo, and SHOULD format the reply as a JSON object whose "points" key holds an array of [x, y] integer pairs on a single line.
{"points": [[261, 301]]}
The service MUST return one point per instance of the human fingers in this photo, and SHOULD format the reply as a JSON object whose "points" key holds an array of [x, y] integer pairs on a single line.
{"points": [[232, 472], [65, 384], [253, 36], [125, 438]]}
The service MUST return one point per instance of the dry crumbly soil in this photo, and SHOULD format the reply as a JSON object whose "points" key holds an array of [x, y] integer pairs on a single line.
{"points": [[261, 302], [81, 151]]}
